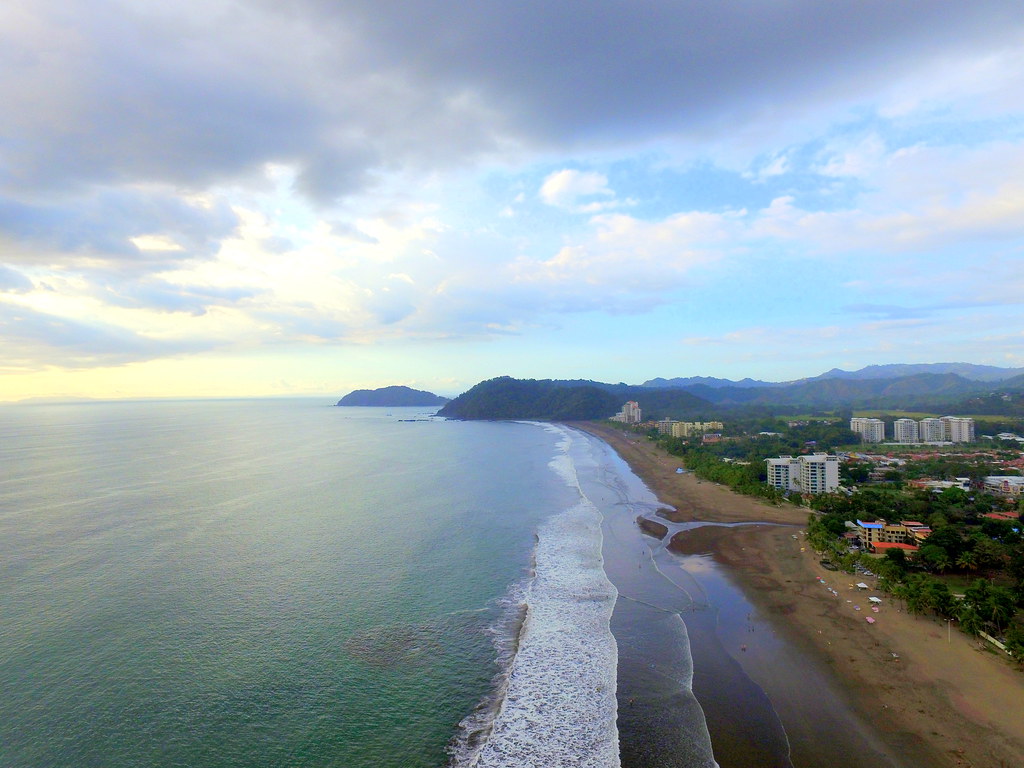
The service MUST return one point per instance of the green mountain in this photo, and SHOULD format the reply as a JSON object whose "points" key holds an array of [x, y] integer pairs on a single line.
{"points": [[392, 397], [554, 400]]}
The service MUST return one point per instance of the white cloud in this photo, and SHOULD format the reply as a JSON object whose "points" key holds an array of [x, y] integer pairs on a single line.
{"points": [[860, 159], [569, 189]]}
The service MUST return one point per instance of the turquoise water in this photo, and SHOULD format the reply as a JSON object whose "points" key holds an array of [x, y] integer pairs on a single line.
{"points": [[257, 583]]}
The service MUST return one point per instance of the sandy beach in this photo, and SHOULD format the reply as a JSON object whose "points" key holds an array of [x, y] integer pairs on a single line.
{"points": [[926, 696]]}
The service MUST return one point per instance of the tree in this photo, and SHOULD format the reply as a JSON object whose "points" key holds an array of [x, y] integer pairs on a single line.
{"points": [[898, 558], [949, 539], [1000, 607], [1015, 643], [989, 554], [967, 561], [970, 619], [977, 593], [939, 598], [913, 593], [935, 558]]}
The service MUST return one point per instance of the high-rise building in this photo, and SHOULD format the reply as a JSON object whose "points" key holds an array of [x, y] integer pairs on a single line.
{"points": [[931, 431], [630, 413], [905, 431], [957, 430], [870, 430], [819, 473], [814, 473], [780, 472]]}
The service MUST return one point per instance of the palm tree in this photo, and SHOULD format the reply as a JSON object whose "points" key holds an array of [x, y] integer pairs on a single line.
{"points": [[970, 619], [939, 598], [1000, 607], [967, 561], [914, 594]]}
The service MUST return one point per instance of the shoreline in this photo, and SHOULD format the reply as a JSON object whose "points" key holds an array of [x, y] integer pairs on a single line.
{"points": [[938, 702]]}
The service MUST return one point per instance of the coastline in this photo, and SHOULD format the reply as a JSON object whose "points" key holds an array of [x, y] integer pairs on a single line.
{"points": [[939, 702]]}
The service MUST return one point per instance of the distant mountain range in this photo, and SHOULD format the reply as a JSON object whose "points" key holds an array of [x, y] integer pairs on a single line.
{"points": [[923, 386], [892, 371], [392, 397], [928, 388]]}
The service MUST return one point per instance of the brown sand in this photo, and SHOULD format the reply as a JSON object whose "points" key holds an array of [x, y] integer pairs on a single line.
{"points": [[945, 701]]}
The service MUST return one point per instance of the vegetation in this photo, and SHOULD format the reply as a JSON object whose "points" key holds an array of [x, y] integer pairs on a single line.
{"points": [[553, 400], [970, 570], [508, 398], [392, 397]]}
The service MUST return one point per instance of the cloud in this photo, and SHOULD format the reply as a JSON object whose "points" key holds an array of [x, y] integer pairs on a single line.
{"points": [[563, 189], [115, 225], [263, 173], [34, 340], [191, 94], [13, 281]]}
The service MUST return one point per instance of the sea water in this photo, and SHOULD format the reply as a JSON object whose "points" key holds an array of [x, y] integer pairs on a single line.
{"points": [[279, 582]]}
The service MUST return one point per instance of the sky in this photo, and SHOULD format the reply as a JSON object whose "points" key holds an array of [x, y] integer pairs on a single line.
{"points": [[225, 198]]}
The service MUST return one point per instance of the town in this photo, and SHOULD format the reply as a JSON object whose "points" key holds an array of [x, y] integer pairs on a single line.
{"points": [[931, 507]]}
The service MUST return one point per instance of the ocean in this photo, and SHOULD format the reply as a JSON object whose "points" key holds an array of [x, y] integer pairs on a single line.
{"points": [[285, 583]]}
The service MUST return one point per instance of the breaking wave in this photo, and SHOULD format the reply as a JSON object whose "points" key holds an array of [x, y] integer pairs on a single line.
{"points": [[554, 702]]}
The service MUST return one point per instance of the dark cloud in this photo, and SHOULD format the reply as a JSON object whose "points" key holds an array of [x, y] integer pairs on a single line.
{"points": [[614, 69], [103, 224], [194, 93]]}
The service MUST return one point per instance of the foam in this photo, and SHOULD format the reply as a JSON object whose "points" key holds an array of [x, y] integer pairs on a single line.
{"points": [[557, 698]]}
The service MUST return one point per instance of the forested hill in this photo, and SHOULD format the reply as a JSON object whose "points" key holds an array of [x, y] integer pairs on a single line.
{"points": [[392, 397], [553, 400], [920, 392]]}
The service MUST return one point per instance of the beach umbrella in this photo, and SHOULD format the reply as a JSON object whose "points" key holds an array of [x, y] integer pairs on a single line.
{"points": [[875, 599], [861, 585]]}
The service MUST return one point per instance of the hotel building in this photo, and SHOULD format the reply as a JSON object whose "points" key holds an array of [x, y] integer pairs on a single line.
{"points": [[814, 473]]}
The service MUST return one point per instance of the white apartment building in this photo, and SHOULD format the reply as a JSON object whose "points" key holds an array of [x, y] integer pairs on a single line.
{"points": [[957, 430], [870, 430], [931, 431], [665, 426], [905, 431], [630, 413], [782, 473], [814, 473], [690, 428]]}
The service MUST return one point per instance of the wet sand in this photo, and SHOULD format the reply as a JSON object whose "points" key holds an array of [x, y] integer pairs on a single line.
{"points": [[842, 696]]}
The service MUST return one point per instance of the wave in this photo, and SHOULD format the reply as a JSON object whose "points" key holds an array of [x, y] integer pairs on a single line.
{"points": [[555, 701]]}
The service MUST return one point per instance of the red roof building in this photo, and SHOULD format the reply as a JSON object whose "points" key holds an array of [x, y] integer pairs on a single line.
{"points": [[882, 546]]}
